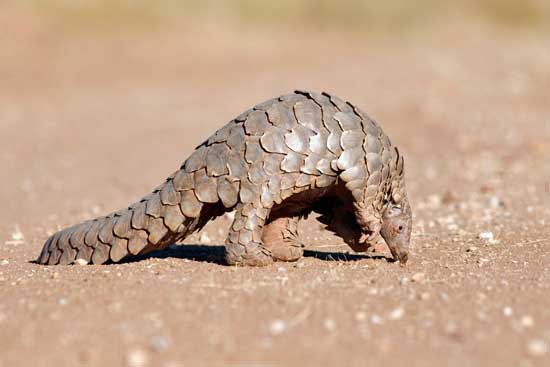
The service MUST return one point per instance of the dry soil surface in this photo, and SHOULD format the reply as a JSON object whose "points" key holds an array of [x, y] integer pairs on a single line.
{"points": [[90, 123]]}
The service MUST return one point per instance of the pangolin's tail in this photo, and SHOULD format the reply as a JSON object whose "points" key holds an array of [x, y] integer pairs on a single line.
{"points": [[155, 222]]}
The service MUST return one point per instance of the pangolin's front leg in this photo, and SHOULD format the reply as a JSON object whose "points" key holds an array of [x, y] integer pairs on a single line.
{"points": [[244, 244], [281, 238]]}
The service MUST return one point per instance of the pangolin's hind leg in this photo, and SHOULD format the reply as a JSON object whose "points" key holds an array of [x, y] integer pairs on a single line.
{"points": [[280, 236], [244, 242]]}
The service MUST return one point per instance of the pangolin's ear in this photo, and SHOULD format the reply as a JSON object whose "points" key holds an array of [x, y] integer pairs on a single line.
{"points": [[392, 212]]}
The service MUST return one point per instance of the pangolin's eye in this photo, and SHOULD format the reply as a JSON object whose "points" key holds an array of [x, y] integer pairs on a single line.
{"points": [[400, 228]]}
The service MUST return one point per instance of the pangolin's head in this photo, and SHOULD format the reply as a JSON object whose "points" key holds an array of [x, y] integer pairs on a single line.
{"points": [[396, 229]]}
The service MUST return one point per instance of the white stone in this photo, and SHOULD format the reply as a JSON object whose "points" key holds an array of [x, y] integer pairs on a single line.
{"points": [[418, 277], [376, 320], [537, 348], [495, 202], [277, 327], [204, 238], [329, 324], [17, 235], [424, 296], [507, 311], [397, 314], [434, 201], [486, 235], [527, 321], [160, 343], [137, 358]]}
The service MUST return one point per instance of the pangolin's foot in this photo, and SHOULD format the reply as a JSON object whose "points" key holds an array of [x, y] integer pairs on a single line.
{"points": [[281, 238], [244, 245], [254, 254], [292, 251]]}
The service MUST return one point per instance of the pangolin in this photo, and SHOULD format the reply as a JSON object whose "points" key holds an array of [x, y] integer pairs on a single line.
{"points": [[277, 162]]}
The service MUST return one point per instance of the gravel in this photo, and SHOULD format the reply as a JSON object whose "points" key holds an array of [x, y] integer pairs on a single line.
{"points": [[476, 161], [537, 348], [277, 327]]}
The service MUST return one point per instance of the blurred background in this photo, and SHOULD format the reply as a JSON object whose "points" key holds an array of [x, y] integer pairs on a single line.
{"points": [[94, 75], [349, 14], [101, 100]]}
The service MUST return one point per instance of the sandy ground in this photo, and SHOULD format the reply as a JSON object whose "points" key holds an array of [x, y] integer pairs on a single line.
{"points": [[89, 123]]}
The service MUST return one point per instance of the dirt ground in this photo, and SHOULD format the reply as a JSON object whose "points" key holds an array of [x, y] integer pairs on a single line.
{"points": [[90, 123]]}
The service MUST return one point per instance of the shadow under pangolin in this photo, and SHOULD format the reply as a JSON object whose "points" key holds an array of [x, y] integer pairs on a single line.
{"points": [[215, 254]]}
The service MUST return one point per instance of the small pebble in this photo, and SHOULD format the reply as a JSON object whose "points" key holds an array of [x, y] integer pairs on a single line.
{"points": [[434, 201], [471, 249], [404, 281], [495, 202], [277, 327], [160, 343], [17, 238], [376, 320], [4, 262], [62, 301], [204, 238], [424, 296], [537, 348], [452, 227], [360, 316], [482, 316], [17, 235], [527, 321], [137, 358], [81, 262], [418, 277], [507, 311], [397, 314], [486, 235], [329, 324], [372, 291], [481, 261]]}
